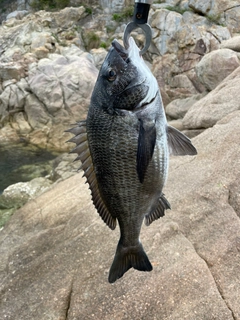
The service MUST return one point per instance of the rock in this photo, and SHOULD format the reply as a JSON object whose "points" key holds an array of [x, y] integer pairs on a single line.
{"points": [[177, 124], [179, 107], [220, 102], [178, 58], [200, 6], [9, 71], [17, 14], [63, 84], [113, 6], [232, 16], [62, 88], [68, 17], [192, 133], [56, 94], [56, 251], [19, 193], [98, 56], [216, 66], [225, 12], [64, 167], [232, 43], [20, 123]]}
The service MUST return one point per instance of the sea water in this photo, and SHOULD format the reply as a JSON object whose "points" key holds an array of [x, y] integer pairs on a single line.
{"points": [[21, 162]]}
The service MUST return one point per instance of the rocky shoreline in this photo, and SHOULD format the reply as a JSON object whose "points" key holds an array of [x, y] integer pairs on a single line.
{"points": [[55, 250], [49, 63]]}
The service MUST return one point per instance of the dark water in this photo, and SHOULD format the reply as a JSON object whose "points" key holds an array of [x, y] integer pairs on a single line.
{"points": [[22, 162]]}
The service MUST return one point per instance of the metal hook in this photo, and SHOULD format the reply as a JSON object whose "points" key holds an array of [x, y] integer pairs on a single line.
{"points": [[147, 31]]}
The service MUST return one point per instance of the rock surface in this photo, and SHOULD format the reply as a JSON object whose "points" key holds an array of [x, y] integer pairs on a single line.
{"points": [[56, 251], [19, 193], [49, 60], [215, 105], [216, 66]]}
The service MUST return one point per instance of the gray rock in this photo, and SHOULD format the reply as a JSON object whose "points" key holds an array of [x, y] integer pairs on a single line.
{"points": [[56, 251], [216, 66], [215, 105], [178, 124], [232, 16], [64, 167], [182, 41], [112, 6], [68, 17], [17, 14], [232, 43], [98, 56], [178, 108], [10, 70], [19, 193]]}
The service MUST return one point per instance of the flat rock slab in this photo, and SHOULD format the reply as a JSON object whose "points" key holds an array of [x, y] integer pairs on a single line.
{"points": [[56, 252]]}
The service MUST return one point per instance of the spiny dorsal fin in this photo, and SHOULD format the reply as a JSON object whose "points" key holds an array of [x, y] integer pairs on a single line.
{"points": [[82, 149], [179, 144], [163, 205]]}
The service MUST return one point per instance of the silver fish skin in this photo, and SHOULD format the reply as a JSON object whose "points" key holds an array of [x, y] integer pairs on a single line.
{"points": [[124, 147]]}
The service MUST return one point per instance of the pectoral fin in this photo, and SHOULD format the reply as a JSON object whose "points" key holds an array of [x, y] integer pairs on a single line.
{"points": [[82, 149], [179, 144], [146, 144]]}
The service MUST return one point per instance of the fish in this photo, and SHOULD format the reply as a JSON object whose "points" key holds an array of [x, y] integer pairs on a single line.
{"points": [[124, 146]]}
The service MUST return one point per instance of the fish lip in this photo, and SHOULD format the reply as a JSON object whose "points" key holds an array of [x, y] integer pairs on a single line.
{"points": [[120, 49], [132, 52]]}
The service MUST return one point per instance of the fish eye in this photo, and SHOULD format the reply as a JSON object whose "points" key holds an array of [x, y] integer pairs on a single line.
{"points": [[111, 76]]}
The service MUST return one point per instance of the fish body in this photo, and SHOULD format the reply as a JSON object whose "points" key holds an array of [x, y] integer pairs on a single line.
{"points": [[124, 147]]}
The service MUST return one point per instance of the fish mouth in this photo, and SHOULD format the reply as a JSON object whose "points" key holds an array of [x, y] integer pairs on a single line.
{"points": [[120, 50], [132, 53]]}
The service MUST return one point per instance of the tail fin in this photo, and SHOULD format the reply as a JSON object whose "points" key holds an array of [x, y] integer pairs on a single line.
{"points": [[126, 258]]}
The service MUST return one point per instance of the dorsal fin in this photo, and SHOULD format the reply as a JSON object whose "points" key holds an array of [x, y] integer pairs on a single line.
{"points": [[163, 205], [82, 149]]}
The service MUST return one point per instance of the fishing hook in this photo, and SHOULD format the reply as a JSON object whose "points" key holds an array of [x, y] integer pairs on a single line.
{"points": [[140, 18]]}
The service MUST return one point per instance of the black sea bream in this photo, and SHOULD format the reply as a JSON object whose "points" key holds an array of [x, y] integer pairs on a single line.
{"points": [[124, 147]]}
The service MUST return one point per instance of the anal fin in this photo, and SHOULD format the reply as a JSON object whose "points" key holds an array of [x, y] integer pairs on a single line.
{"points": [[159, 212]]}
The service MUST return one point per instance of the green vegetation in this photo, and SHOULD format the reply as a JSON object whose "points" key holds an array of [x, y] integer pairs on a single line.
{"points": [[127, 13], [49, 4], [213, 18], [177, 9], [88, 10], [91, 40], [103, 45]]}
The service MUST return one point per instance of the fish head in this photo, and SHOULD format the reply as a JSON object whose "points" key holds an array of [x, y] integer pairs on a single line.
{"points": [[124, 81]]}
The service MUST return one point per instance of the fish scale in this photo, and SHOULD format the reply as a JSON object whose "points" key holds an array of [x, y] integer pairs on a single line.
{"points": [[124, 148]]}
